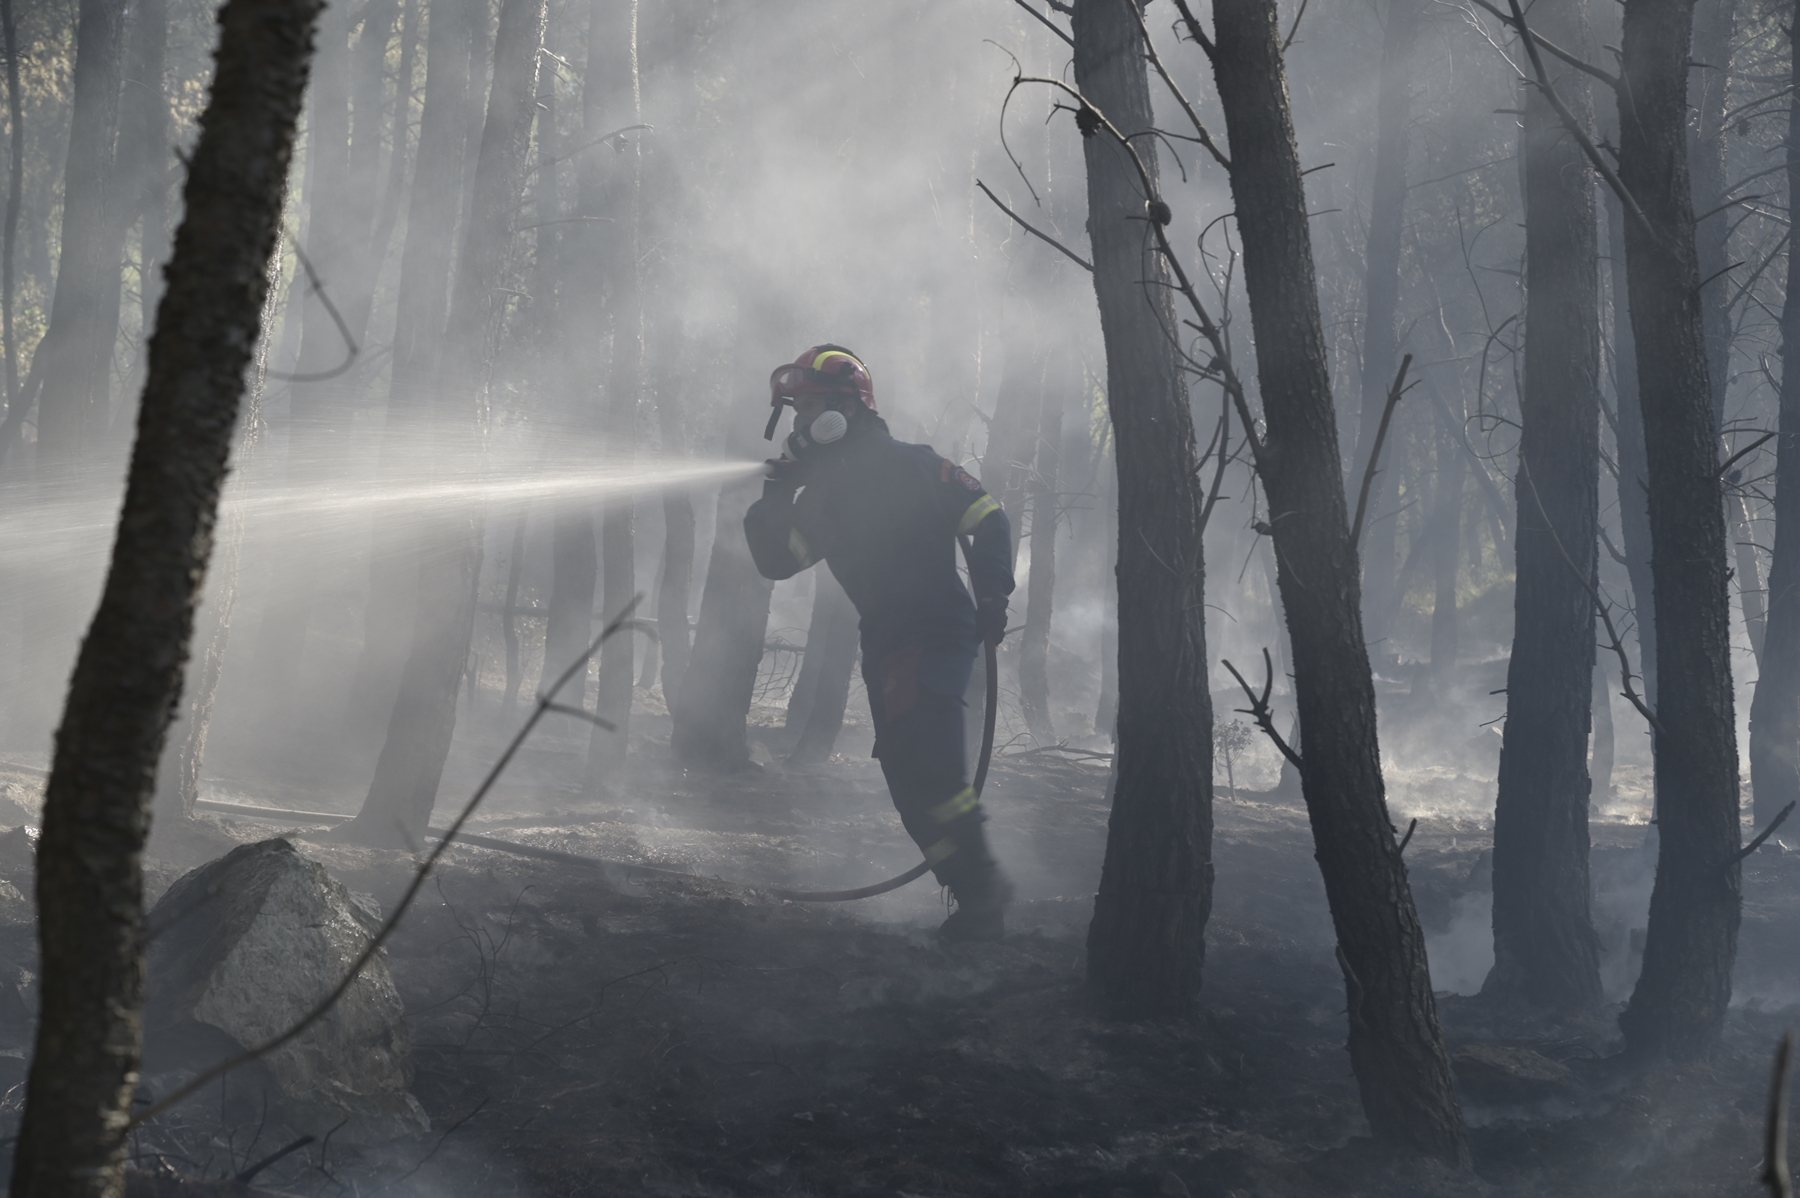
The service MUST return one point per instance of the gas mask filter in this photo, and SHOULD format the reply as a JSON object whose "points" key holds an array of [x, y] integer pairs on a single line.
{"points": [[826, 430]]}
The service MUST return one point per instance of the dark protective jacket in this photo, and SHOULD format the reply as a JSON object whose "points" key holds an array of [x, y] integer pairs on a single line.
{"points": [[885, 515]]}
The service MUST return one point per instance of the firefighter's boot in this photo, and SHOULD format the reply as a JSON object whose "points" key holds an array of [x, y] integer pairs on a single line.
{"points": [[980, 891]]}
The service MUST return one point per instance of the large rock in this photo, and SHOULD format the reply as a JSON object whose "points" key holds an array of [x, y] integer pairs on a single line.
{"points": [[240, 950]]}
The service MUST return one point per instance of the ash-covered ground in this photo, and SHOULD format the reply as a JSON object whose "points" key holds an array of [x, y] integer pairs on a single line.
{"points": [[587, 1031]]}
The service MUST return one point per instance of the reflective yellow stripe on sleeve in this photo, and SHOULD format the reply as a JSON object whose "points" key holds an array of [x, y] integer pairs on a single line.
{"points": [[978, 511], [956, 806], [798, 547]]}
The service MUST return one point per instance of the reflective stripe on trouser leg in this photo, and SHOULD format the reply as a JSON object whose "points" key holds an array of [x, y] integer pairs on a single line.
{"points": [[956, 806]]}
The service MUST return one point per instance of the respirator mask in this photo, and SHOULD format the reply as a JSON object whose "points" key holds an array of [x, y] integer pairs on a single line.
{"points": [[827, 429]]}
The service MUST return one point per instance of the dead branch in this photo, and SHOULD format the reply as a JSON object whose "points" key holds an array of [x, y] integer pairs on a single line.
{"points": [[1746, 451], [545, 702], [1259, 707], [1155, 60], [351, 349], [1589, 68], [1158, 216], [1224, 436], [1574, 126], [1193, 28], [1407, 839], [1775, 1173], [1617, 644], [1072, 255], [1767, 832], [1046, 22], [1374, 464], [1294, 28]]}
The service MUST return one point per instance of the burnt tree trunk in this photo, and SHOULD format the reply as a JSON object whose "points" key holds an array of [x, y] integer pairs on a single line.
{"points": [[1605, 744], [1034, 643], [1545, 950], [1396, 1047], [1146, 943], [404, 789], [831, 644], [9, 237], [611, 187], [1634, 473], [712, 704], [675, 586], [128, 675], [84, 314], [1446, 544], [1678, 1007], [1381, 295], [421, 308], [1775, 707]]}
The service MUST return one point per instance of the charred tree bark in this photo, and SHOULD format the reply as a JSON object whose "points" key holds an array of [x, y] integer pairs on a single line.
{"points": [[712, 704], [676, 585], [831, 644], [1146, 943], [569, 620], [1678, 1007], [422, 306], [128, 675], [1634, 472], [1775, 707], [144, 135], [1446, 546], [1381, 292], [401, 796], [84, 315], [1545, 950], [610, 187], [15, 194], [1396, 1047], [1034, 643], [1106, 713], [1600, 769]]}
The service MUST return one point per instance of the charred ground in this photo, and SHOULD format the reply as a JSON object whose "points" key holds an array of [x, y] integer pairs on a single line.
{"points": [[612, 1032]]}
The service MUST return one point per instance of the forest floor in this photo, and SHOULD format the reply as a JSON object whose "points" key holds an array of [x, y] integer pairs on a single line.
{"points": [[584, 1031]]}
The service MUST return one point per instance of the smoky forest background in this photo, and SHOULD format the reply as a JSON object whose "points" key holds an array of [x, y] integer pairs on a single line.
{"points": [[409, 784]]}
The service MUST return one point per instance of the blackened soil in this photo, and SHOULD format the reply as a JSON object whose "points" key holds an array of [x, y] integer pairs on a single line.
{"points": [[603, 1032]]}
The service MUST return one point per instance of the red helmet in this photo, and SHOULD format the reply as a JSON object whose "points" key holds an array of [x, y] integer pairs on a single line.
{"points": [[821, 370]]}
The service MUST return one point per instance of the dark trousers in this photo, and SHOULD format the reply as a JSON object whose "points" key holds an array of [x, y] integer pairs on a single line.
{"points": [[915, 696]]}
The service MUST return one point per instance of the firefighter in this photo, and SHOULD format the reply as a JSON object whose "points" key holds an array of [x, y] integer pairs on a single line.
{"points": [[886, 516]]}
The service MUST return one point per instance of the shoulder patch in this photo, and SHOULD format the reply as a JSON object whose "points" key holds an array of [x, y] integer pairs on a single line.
{"points": [[969, 482]]}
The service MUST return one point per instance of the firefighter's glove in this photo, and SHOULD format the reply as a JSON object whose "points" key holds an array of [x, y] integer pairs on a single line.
{"points": [[990, 618], [781, 479]]}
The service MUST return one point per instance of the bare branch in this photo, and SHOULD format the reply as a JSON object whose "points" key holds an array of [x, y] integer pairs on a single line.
{"points": [[1746, 451], [1046, 22], [1407, 839], [1374, 464], [1259, 707], [1294, 29], [1616, 643], [1194, 30], [545, 702], [1574, 126], [1072, 255], [1589, 68], [1780, 818], [1156, 61]]}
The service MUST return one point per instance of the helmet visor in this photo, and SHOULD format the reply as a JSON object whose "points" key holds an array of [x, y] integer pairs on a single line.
{"points": [[788, 381]]}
